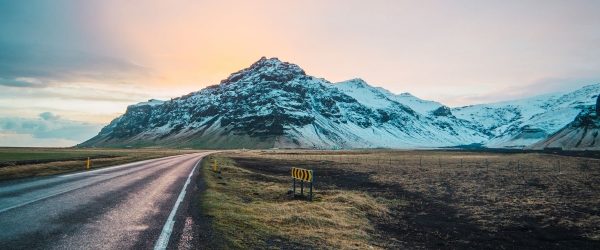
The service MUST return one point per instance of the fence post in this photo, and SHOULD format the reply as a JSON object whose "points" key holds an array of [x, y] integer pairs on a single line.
{"points": [[531, 171], [311, 186], [487, 165]]}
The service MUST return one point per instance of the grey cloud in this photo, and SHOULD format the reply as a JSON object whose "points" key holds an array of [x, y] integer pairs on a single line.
{"points": [[65, 93], [49, 41], [555, 84], [23, 83], [55, 64], [49, 116], [49, 126], [540, 87]]}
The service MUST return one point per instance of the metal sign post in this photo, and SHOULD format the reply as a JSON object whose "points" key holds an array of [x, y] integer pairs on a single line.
{"points": [[294, 185]]}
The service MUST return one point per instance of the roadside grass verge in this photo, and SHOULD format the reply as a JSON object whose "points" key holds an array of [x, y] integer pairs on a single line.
{"points": [[254, 210], [28, 162], [397, 199]]}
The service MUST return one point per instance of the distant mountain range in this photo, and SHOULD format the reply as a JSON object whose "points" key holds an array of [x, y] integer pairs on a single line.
{"points": [[275, 104]]}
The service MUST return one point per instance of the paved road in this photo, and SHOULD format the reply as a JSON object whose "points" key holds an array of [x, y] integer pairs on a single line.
{"points": [[121, 207]]}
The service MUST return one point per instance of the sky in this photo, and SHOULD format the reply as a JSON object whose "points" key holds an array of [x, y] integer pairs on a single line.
{"points": [[68, 67]]}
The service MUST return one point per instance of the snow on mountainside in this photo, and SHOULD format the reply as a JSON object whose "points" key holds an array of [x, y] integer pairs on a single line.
{"points": [[419, 105], [521, 123], [275, 104], [438, 115], [151, 102], [582, 133], [374, 96]]}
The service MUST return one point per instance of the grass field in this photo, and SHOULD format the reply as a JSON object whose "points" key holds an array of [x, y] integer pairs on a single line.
{"points": [[406, 199], [28, 162]]}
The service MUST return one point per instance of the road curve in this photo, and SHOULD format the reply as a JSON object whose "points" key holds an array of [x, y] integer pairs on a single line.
{"points": [[120, 207]]}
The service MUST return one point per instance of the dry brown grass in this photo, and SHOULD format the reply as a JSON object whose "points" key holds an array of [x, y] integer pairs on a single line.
{"points": [[49, 161], [252, 210], [414, 199]]}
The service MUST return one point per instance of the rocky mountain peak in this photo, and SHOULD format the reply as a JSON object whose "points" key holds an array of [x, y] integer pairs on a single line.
{"points": [[406, 94], [355, 82], [267, 69]]}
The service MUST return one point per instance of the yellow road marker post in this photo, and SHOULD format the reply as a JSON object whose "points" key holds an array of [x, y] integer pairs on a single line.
{"points": [[88, 163], [215, 166]]}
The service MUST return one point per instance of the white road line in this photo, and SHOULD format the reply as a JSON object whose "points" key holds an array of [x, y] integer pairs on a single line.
{"points": [[104, 169], [38, 199], [163, 239], [75, 187]]}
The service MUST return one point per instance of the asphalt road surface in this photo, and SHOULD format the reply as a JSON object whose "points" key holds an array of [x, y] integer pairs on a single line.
{"points": [[131, 206]]}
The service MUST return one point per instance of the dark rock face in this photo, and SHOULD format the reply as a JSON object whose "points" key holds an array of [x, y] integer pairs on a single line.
{"points": [[442, 111], [598, 105], [586, 119], [270, 70]]}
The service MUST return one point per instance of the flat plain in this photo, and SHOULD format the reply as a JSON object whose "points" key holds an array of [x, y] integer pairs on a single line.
{"points": [[29, 162], [374, 199], [405, 199]]}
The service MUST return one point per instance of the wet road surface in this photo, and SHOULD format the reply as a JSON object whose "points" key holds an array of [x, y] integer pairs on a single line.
{"points": [[120, 207]]}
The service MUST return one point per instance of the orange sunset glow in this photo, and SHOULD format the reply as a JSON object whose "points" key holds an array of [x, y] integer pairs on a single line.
{"points": [[104, 55]]}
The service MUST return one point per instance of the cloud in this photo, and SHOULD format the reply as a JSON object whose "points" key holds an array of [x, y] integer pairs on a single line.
{"points": [[49, 116], [540, 87], [49, 129], [76, 92], [558, 84], [23, 82], [27, 140], [54, 41], [39, 65]]}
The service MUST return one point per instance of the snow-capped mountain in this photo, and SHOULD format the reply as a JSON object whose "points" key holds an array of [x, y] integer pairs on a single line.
{"points": [[438, 115], [276, 104], [521, 123], [582, 133]]}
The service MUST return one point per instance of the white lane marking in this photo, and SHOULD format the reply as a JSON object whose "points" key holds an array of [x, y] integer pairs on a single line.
{"points": [[39, 199], [163, 239], [119, 166], [56, 178], [65, 191]]}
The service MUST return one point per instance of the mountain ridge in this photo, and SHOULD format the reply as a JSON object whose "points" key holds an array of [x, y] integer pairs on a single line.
{"points": [[276, 104]]}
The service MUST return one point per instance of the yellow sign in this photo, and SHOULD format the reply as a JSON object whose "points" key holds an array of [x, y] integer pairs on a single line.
{"points": [[302, 174], [215, 166]]}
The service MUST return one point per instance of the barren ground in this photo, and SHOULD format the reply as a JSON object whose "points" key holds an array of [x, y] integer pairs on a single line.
{"points": [[407, 199]]}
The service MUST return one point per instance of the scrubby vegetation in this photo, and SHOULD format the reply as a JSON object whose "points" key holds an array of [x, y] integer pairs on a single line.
{"points": [[28, 162], [407, 199]]}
